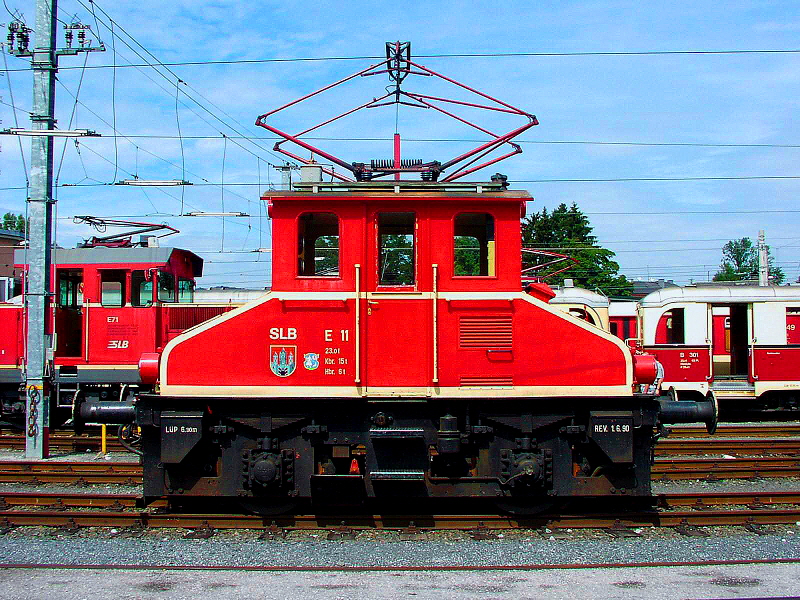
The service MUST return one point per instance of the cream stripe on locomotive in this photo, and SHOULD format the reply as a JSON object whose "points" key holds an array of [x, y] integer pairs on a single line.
{"points": [[355, 391], [316, 391]]}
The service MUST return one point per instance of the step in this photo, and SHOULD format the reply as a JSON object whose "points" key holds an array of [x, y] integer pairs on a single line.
{"points": [[399, 475], [733, 386], [396, 433]]}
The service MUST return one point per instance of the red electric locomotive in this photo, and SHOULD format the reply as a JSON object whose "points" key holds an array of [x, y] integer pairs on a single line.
{"points": [[114, 301], [396, 354]]}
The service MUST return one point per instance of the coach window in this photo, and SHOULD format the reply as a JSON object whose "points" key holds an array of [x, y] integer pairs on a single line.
{"points": [[166, 287], [141, 289], [671, 327], [318, 245], [473, 245], [112, 288], [185, 290], [396, 248], [793, 325]]}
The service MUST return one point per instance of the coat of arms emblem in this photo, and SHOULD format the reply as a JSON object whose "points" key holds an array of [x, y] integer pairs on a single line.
{"points": [[311, 361], [283, 360]]}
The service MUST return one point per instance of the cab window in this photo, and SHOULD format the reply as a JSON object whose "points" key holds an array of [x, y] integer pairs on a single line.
{"points": [[112, 288], [141, 289], [670, 328], [318, 245], [396, 248], [185, 290], [166, 287], [473, 245]]}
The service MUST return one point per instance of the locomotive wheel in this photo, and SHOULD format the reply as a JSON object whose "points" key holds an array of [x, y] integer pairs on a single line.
{"points": [[524, 506], [130, 436], [266, 507]]}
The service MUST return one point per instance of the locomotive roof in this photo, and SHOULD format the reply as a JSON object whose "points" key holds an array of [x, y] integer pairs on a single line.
{"points": [[421, 189], [728, 294], [576, 295], [116, 256]]}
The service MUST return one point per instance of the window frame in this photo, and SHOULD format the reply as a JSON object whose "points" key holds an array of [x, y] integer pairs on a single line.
{"points": [[489, 264], [338, 275], [379, 284], [121, 279], [144, 281]]}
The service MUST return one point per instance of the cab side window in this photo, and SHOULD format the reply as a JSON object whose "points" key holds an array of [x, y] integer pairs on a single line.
{"points": [[318, 245], [185, 290], [474, 245], [396, 248], [166, 287], [112, 288], [141, 289]]}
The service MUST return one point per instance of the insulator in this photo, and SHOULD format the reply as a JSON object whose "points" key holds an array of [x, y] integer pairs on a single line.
{"points": [[411, 162]]}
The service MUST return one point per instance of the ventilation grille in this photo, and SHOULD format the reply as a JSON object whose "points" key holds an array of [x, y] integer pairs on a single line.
{"points": [[486, 332], [184, 317], [485, 381]]}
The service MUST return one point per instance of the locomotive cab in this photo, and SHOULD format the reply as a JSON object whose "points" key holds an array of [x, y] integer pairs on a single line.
{"points": [[111, 305]]}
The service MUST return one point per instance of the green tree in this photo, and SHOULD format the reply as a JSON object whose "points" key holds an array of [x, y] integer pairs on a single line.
{"points": [[13, 222], [567, 230], [740, 262]]}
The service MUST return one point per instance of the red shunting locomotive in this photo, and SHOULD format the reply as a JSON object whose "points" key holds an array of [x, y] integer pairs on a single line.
{"points": [[397, 356]]}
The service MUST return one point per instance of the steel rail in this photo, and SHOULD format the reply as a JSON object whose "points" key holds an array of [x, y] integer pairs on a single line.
{"points": [[404, 523], [127, 473], [737, 430], [714, 445], [698, 500], [130, 473], [721, 468]]}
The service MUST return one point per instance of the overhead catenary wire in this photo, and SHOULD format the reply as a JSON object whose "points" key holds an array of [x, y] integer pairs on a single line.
{"points": [[459, 55]]}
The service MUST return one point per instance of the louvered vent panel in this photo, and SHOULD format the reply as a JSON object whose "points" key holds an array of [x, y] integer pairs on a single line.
{"points": [[485, 381], [485, 332], [184, 317]]}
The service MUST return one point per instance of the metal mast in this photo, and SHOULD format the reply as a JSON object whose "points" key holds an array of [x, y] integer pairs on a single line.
{"points": [[44, 61], [763, 260]]}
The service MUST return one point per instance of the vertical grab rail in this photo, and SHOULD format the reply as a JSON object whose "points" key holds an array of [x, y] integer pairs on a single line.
{"points": [[358, 324], [752, 341], [435, 323]]}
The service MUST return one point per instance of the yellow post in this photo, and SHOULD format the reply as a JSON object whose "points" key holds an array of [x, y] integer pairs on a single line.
{"points": [[103, 439]]}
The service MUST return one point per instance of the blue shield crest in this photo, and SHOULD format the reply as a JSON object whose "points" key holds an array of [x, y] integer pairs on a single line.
{"points": [[311, 361]]}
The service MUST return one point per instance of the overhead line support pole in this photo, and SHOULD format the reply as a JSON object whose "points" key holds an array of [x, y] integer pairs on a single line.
{"points": [[38, 292], [40, 212]]}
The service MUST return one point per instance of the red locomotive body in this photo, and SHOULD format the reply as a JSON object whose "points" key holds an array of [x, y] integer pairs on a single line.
{"points": [[396, 355], [426, 330]]}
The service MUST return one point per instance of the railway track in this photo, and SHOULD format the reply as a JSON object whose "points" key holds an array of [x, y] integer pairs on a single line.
{"points": [[119, 511], [130, 473], [683, 440], [97, 472]]}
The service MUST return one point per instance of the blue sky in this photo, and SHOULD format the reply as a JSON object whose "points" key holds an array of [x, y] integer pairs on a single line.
{"points": [[739, 106]]}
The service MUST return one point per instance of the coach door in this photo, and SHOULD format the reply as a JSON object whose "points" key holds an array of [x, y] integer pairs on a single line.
{"points": [[397, 314], [731, 340], [69, 313]]}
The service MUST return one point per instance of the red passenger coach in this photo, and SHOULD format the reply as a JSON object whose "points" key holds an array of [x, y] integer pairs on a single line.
{"points": [[737, 342]]}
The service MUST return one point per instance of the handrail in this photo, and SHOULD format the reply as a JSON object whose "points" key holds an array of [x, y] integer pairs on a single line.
{"points": [[358, 324], [435, 323]]}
